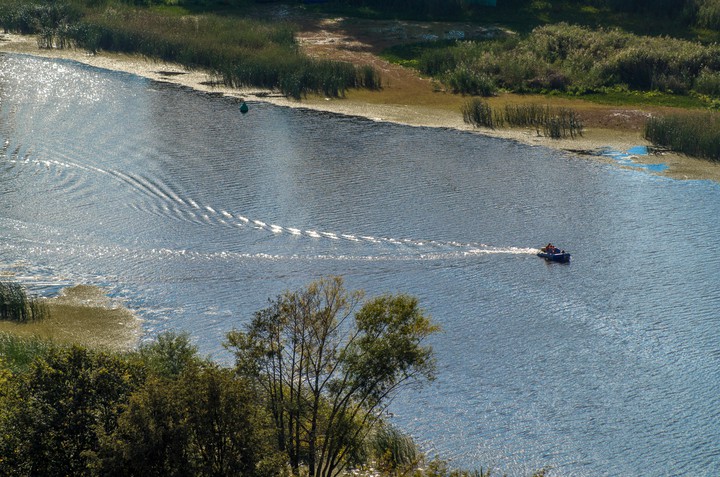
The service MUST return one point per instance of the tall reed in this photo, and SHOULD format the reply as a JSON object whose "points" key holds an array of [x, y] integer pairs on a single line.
{"points": [[556, 123], [696, 135], [16, 305], [479, 114]]}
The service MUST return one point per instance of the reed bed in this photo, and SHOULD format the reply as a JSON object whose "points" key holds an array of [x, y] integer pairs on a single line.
{"points": [[237, 51], [17, 306], [555, 123], [696, 135]]}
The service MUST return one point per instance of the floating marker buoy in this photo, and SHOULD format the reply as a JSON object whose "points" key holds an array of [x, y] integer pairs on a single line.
{"points": [[244, 107]]}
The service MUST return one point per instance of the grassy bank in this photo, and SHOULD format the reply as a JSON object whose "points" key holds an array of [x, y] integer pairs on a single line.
{"points": [[237, 50], [80, 314]]}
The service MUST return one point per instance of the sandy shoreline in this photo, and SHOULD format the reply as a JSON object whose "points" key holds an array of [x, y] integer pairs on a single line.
{"points": [[357, 104]]}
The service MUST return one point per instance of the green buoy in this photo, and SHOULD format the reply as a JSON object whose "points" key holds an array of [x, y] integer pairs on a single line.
{"points": [[244, 107]]}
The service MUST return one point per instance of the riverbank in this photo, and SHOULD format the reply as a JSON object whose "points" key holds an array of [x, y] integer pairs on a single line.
{"points": [[405, 98]]}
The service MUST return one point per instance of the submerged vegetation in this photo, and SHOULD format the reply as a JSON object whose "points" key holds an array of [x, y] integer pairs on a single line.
{"points": [[555, 123]]}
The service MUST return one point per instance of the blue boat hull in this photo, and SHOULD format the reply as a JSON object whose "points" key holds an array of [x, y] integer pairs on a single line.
{"points": [[562, 257]]}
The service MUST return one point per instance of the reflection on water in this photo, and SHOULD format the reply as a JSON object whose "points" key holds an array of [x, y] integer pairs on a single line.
{"points": [[194, 215]]}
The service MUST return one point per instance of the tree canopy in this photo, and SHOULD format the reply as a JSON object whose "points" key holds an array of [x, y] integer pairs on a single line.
{"points": [[330, 366]]}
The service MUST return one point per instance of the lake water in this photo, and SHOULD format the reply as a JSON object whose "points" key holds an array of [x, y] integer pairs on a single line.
{"points": [[194, 215]]}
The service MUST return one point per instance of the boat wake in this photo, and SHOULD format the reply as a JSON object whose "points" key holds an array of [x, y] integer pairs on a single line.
{"points": [[151, 196]]}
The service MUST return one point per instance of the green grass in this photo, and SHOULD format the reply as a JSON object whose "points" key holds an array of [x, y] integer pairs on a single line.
{"points": [[642, 98], [18, 352]]}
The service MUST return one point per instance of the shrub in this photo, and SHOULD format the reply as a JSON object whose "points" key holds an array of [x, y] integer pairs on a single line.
{"points": [[708, 82], [467, 81]]}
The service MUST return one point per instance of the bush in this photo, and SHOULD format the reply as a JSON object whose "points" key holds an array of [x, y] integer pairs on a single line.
{"points": [[467, 81], [708, 82], [708, 14], [564, 57]]}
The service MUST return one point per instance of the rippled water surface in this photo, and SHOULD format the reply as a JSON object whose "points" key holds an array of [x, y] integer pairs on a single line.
{"points": [[195, 215]]}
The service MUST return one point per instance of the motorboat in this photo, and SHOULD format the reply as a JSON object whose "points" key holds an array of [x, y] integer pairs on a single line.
{"points": [[554, 254]]}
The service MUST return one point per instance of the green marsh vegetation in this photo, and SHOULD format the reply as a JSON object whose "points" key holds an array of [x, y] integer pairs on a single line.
{"points": [[238, 50], [17, 306], [696, 135], [574, 60], [555, 123]]}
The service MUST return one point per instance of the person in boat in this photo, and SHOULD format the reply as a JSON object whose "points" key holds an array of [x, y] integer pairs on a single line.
{"points": [[550, 248]]}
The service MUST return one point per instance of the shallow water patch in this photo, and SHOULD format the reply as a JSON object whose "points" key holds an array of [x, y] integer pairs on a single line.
{"points": [[629, 158]]}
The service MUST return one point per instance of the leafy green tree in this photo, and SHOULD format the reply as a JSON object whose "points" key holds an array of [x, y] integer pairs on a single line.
{"points": [[55, 412], [328, 371], [204, 423], [170, 354]]}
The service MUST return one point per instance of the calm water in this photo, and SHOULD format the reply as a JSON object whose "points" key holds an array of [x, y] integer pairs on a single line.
{"points": [[195, 215]]}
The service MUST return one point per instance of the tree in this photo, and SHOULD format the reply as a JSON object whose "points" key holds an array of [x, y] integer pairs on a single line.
{"points": [[328, 372], [55, 412], [202, 423]]}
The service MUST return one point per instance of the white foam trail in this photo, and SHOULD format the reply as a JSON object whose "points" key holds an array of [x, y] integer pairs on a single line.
{"points": [[276, 229], [313, 234], [260, 223]]}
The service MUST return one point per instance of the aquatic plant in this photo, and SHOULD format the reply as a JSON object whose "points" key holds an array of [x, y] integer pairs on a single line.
{"points": [[16, 305], [696, 135], [556, 123], [478, 113]]}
